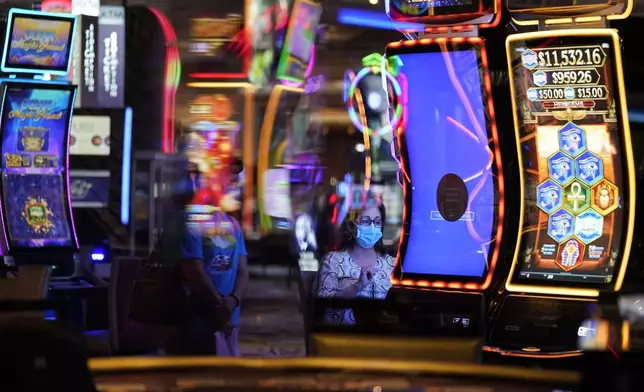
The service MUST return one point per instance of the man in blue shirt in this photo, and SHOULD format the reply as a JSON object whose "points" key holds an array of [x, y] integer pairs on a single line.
{"points": [[214, 263]]}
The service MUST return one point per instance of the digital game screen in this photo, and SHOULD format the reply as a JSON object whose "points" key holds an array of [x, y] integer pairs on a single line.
{"points": [[35, 124], [451, 198], [575, 151], [300, 38], [38, 42], [563, 7], [418, 9]]}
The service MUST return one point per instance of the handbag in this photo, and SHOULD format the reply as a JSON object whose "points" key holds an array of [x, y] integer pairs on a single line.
{"points": [[160, 297]]}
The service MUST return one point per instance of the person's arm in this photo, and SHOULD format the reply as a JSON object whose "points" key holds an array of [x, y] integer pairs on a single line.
{"points": [[241, 281], [194, 273], [328, 280]]}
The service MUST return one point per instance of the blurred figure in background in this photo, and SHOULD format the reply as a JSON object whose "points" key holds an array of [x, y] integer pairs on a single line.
{"points": [[224, 251], [181, 245], [361, 268]]}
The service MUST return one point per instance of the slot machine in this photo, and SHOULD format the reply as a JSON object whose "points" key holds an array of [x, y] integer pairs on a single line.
{"points": [[577, 175], [450, 165], [36, 113], [216, 105]]}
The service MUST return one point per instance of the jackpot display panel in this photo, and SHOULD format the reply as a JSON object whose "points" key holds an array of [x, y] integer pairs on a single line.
{"points": [[35, 180], [577, 172], [452, 181]]}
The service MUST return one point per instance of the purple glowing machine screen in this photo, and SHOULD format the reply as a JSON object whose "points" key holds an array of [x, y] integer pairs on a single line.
{"points": [[450, 187], [35, 191]]}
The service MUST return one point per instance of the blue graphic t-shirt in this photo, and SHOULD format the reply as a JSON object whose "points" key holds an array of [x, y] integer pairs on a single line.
{"points": [[219, 248]]}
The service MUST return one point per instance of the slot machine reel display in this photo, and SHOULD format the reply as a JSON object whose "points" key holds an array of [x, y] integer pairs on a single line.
{"points": [[575, 144]]}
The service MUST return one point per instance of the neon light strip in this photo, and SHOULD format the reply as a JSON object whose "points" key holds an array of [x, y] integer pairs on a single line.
{"points": [[126, 167], [171, 81], [376, 20], [69, 193], [307, 73], [4, 228], [353, 115], [205, 75]]}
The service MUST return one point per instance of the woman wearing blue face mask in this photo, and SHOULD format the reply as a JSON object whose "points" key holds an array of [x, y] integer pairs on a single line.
{"points": [[361, 268]]}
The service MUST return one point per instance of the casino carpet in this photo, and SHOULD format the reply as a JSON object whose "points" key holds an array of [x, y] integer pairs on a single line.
{"points": [[270, 323]]}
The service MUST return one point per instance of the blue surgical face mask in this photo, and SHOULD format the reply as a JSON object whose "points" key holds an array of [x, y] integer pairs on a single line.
{"points": [[367, 236]]}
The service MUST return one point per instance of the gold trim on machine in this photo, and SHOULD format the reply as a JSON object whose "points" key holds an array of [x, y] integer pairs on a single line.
{"points": [[107, 366], [628, 154], [580, 19]]}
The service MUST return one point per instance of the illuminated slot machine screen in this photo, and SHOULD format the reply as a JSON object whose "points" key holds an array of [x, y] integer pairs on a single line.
{"points": [[451, 219], [35, 124], [38, 42], [522, 9], [417, 10], [576, 159]]}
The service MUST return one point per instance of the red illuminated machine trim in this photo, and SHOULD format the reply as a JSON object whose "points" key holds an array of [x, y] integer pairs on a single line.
{"points": [[458, 18], [460, 285], [170, 82]]}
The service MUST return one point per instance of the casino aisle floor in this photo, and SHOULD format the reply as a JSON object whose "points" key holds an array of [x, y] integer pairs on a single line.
{"points": [[271, 324]]}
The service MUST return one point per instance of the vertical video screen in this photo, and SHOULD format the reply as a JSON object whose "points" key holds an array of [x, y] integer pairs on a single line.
{"points": [[452, 221], [571, 139], [34, 132]]}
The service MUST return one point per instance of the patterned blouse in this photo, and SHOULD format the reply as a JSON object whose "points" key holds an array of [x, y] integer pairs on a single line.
{"points": [[338, 271]]}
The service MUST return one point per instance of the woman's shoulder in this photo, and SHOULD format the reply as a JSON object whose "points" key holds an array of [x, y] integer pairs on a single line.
{"points": [[389, 261], [334, 257]]}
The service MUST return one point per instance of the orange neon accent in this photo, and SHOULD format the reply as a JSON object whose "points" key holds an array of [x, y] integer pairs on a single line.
{"points": [[170, 76], [528, 355], [469, 286], [215, 75], [265, 134], [366, 141]]}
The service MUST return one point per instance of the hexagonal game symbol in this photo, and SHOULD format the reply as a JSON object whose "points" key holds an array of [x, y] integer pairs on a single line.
{"points": [[561, 168], [589, 168], [531, 94], [570, 254], [576, 197], [589, 226], [572, 139], [539, 78], [560, 225], [604, 197], [549, 196], [529, 59], [569, 93]]}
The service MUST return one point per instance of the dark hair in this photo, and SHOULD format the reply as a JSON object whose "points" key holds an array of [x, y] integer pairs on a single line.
{"points": [[348, 228]]}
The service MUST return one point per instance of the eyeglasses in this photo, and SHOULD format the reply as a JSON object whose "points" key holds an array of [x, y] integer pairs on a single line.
{"points": [[366, 221]]}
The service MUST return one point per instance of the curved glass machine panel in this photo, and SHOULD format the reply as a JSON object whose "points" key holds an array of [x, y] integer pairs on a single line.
{"points": [[576, 161], [453, 187]]}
